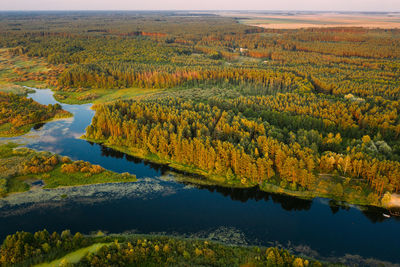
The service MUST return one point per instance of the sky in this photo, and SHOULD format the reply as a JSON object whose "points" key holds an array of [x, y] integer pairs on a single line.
{"points": [[311, 5]]}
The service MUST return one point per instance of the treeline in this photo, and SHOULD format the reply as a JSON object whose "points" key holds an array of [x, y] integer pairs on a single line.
{"points": [[171, 252], [18, 111], [27, 249], [151, 76], [231, 146]]}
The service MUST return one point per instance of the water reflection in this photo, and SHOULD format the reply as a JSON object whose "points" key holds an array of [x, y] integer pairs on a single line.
{"points": [[38, 126], [109, 152], [289, 203], [254, 193]]}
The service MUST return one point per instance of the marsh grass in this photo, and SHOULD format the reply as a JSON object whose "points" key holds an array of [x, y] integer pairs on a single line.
{"points": [[17, 185]]}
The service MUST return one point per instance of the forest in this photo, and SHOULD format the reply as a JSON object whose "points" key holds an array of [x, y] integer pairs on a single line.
{"points": [[252, 152], [28, 249], [309, 112]]}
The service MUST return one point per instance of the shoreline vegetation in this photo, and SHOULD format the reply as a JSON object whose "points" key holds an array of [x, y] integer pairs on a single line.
{"points": [[213, 179], [22, 169], [67, 249]]}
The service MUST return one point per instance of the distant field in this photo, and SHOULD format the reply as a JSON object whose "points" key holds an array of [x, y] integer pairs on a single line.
{"points": [[319, 20]]}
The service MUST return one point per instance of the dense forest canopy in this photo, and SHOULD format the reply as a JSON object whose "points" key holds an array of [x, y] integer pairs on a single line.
{"points": [[297, 108]]}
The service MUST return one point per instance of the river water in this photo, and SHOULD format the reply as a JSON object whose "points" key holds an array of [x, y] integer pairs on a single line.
{"points": [[159, 204]]}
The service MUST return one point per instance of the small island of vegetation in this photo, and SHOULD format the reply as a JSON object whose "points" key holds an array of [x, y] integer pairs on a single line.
{"points": [[21, 168]]}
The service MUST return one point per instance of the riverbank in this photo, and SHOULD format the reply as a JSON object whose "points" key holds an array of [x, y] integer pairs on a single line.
{"points": [[325, 188]]}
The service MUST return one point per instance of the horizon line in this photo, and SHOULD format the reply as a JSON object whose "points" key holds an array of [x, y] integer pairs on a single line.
{"points": [[193, 10]]}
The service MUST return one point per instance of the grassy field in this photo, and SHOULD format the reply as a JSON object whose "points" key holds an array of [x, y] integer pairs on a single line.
{"points": [[73, 257], [18, 184], [293, 20], [6, 127]]}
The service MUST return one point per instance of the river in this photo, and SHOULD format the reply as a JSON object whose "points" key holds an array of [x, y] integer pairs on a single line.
{"points": [[159, 204]]}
